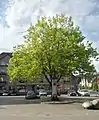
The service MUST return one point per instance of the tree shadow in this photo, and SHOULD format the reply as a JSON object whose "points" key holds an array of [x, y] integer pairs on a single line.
{"points": [[93, 108]]}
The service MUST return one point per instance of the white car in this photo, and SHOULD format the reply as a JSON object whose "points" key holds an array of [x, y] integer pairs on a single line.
{"points": [[42, 93], [84, 92], [93, 93]]}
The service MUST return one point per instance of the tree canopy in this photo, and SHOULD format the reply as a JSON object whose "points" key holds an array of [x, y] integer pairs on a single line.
{"points": [[53, 47]]}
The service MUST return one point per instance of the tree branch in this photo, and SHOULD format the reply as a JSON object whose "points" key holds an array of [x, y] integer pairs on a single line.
{"points": [[59, 78], [54, 73], [46, 77], [49, 66]]}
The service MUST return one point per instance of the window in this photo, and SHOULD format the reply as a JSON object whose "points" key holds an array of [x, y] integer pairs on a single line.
{"points": [[2, 63]]}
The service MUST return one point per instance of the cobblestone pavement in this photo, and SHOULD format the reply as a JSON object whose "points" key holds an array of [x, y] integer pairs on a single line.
{"points": [[47, 112]]}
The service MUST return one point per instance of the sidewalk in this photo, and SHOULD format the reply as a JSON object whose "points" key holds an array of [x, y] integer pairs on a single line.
{"points": [[67, 99]]}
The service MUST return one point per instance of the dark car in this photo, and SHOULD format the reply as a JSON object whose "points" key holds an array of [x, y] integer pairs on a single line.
{"points": [[13, 92], [72, 93], [5, 93], [1, 92], [49, 92], [59, 92], [31, 95], [64, 91], [21, 92]]}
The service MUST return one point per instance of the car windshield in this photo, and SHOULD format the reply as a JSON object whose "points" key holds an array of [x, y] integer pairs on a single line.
{"points": [[42, 91], [22, 90], [31, 91]]}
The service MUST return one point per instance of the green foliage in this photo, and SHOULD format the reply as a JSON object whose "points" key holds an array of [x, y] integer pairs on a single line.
{"points": [[85, 87], [95, 85], [53, 47]]}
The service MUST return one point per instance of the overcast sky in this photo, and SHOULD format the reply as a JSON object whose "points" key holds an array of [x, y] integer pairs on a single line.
{"points": [[16, 16]]}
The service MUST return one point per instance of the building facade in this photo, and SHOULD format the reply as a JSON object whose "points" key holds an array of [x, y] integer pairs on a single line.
{"points": [[66, 82], [4, 61]]}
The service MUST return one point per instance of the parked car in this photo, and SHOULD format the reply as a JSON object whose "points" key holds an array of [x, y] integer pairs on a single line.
{"points": [[31, 95], [13, 92], [78, 94], [5, 93], [1, 92], [84, 92], [58, 92], [64, 91], [72, 93], [21, 92], [42, 93], [49, 92], [93, 93]]}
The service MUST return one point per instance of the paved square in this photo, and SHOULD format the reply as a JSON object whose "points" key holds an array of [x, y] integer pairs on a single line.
{"points": [[47, 112]]}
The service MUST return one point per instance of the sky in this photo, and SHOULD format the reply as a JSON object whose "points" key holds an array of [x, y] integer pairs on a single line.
{"points": [[17, 15]]}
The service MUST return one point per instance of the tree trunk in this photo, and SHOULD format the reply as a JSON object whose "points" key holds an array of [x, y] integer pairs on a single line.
{"points": [[85, 82], [54, 91]]}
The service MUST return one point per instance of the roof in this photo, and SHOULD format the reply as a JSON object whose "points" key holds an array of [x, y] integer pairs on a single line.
{"points": [[2, 55]]}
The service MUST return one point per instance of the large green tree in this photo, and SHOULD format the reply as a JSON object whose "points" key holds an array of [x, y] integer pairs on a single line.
{"points": [[53, 47]]}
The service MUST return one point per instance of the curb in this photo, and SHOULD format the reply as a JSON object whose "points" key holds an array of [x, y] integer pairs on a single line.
{"points": [[58, 102]]}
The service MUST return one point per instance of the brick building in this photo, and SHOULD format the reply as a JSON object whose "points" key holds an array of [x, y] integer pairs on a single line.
{"points": [[4, 79], [4, 60]]}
